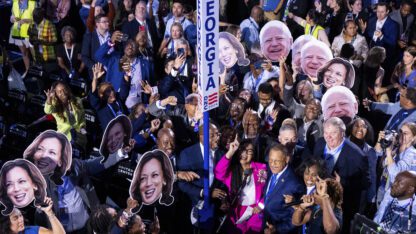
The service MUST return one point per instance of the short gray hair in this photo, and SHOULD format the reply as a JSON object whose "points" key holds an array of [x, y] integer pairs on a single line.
{"points": [[337, 89], [191, 97], [336, 122]]}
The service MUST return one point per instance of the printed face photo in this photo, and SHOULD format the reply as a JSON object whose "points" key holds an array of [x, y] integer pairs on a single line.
{"points": [[275, 41]]}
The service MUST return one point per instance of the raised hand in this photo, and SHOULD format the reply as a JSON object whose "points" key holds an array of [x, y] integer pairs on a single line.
{"points": [[50, 95], [171, 100], [267, 65], [97, 71], [48, 208], [154, 125], [233, 147], [307, 201], [147, 89], [179, 61], [155, 226], [188, 176], [321, 186]]}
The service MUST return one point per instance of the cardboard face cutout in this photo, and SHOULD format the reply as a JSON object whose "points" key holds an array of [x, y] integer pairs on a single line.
{"points": [[153, 180], [116, 136], [275, 40], [51, 152], [296, 48], [314, 55], [21, 183], [231, 51], [336, 72], [340, 102]]}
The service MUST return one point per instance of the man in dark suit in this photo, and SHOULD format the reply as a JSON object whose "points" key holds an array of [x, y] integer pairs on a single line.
{"points": [[383, 31], [345, 159], [185, 118], [191, 159], [282, 181], [141, 23], [93, 40]]}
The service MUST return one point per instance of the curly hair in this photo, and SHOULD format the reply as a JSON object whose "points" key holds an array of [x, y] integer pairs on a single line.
{"points": [[310, 162], [66, 153], [33, 173], [167, 169], [335, 191]]}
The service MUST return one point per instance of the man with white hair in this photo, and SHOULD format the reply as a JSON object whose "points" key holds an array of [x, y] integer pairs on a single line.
{"points": [[275, 40], [344, 159], [314, 55], [296, 48], [340, 102]]}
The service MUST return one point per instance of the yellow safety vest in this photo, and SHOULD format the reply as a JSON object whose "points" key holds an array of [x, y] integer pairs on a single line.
{"points": [[21, 32], [315, 31]]}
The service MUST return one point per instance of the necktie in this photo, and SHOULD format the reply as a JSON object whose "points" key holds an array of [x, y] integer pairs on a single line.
{"points": [[396, 123], [389, 213], [271, 185], [330, 162]]}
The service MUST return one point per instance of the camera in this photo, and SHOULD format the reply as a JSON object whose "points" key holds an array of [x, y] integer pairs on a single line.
{"points": [[389, 138]]}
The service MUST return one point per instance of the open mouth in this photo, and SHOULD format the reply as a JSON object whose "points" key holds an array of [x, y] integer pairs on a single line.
{"points": [[20, 197], [275, 50], [149, 193], [227, 59], [309, 183]]}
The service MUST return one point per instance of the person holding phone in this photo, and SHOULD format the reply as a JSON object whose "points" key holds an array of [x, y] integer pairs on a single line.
{"points": [[167, 47]]}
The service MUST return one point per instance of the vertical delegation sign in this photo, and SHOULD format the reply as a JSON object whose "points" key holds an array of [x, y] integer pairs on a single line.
{"points": [[208, 30]]}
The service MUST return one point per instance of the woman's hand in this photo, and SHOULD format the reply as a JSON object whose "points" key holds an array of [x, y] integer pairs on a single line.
{"points": [[131, 203], [50, 95], [147, 89], [233, 147], [48, 208], [155, 226], [128, 148], [307, 201], [171, 100], [179, 60], [267, 66], [288, 198], [116, 37], [321, 186], [257, 210], [97, 71]]}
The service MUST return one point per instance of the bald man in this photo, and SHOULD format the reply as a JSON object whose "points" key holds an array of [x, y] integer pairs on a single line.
{"points": [[250, 28], [393, 212]]}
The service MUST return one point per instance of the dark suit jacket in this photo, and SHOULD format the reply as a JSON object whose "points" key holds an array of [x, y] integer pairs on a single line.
{"points": [[274, 212], [191, 159], [90, 45], [390, 32], [184, 132], [132, 28], [352, 167]]}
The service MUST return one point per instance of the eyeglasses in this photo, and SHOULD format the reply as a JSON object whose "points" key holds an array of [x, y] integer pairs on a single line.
{"points": [[249, 151]]}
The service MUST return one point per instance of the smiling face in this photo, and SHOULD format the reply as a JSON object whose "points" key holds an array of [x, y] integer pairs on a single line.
{"points": [[359, 130], [357, 6], [277, 161], [151, 181], [228, 55], [312, 59], [61, 93], [276, 44], [382, 12], [17, 223], [175, 32], [333, 136], [312, 110], [408, 59], [68, 36], [335, 75], [20, 187], [166, 143], [115, 138], [141, 39], [406, 136], [140, 11], [340, 105], [310, 176], [48, 155], [247, 155], [237, 109], [251, 126]]}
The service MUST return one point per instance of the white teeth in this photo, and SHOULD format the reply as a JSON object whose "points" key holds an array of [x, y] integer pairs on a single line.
{"points": [[20, 197]]}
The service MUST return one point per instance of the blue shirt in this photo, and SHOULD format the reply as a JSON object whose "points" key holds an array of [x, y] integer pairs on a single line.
{"points": [[184, 21], [250, 33], [270, 5]]}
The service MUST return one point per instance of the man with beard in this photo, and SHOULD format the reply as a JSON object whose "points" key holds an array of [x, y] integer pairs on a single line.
{"points": [[393, 213], [344, 159]]}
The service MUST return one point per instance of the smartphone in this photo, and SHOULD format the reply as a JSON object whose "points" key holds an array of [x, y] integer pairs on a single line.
{"points": [[124, 37], [180, 52]]}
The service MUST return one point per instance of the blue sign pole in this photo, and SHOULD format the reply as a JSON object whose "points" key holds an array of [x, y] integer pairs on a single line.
{"points": [[206, 159]]}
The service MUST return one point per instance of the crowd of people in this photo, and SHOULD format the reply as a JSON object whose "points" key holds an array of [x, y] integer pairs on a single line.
{"points": [[316, 120]]}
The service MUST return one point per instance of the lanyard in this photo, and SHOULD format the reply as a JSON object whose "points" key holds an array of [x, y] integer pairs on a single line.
{"points": [[254, 24], [255, 83], [112, 110], [69, 56]]}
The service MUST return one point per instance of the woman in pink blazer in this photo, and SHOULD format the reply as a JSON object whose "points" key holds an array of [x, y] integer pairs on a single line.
{"points": [[237, 170]]}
